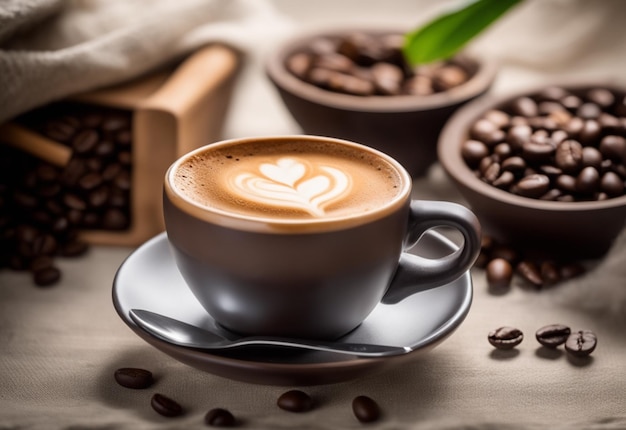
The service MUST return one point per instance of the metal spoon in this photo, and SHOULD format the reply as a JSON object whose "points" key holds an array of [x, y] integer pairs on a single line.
{"points": [[183, 334]]}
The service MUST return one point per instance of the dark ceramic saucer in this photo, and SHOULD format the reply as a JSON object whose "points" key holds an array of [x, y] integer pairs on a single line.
{"points": [[149, 279]]}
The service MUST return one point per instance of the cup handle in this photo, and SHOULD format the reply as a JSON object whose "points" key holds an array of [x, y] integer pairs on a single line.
{"points": [[415, 273]]}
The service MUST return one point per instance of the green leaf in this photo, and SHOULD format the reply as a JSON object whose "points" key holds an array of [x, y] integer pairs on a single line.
{"points": [[447, 34]]}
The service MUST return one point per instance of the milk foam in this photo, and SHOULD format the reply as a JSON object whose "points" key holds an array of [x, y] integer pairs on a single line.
{"points": [[289, 180], [292, 182]]}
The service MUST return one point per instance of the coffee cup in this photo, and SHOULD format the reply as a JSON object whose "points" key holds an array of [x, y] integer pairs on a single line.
{"points": [[303, 236]]}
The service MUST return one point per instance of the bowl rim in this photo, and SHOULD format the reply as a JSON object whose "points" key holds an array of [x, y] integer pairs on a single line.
{"points": [[455, 132], [277, 72]]}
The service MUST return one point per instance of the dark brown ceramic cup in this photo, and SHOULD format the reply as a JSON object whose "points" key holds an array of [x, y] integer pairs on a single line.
{"points": [[303, 236]]}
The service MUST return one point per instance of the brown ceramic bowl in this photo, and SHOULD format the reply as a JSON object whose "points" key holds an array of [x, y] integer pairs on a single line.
{"points": [[403, 126], [579, 229]]}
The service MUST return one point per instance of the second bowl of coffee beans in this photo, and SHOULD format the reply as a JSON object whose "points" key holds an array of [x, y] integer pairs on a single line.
{"points": [[543, 169], [355, 84]]}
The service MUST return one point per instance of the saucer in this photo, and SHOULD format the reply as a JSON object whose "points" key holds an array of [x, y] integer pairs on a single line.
{"points": [[148, 279]]}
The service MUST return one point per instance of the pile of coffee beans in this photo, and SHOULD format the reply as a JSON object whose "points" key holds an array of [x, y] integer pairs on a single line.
{"points": [[363, 64], [503, 263], [555, 145], [43, 207], [364, 408], [578, 343]]}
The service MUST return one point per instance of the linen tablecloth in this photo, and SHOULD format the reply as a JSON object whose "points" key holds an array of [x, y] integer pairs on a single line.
{"points": [[60, 346]]}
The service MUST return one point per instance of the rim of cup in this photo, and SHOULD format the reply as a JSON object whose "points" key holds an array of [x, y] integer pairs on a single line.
{"points": [[229, 219]]}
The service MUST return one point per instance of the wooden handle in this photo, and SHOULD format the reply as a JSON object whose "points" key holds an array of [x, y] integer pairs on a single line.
{"points": [[196, 77], [35, 144]]}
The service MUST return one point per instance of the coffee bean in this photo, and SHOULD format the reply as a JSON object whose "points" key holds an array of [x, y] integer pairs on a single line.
{"points": [[612, 184], [613, 148], [74, 248], [41, 262], [518, 135], [569, 155], [530, 273], [114, 219], [135, 378], [104, 148], [505, 337], [219, 417], [581, 343], [534, 186], [85, 141], [552, 335], [165, 406], [448, 77], [365, 409], [601, 97], [588, 180], [299, 64], [591, 157], [46, 276], [525, 106], [44, 244], [514, 164], [90, 181], [588, 111], [504, 180], [483, 129], [387, 78], [419, 85], [473, 151], [550, 273], [571, 102], [499, 273], [115, 122], [295, 401], [73, 201], [500, 118], [93, 119]]}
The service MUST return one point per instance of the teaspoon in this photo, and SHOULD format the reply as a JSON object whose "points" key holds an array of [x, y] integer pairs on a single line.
{"points": [[187, 335]]}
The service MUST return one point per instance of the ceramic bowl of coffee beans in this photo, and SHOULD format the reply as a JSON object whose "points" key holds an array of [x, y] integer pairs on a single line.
{"points": [[543, 169], [356, 85]]}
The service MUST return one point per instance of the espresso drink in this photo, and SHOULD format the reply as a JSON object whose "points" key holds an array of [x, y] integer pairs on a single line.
{"points": [[288, 179]]}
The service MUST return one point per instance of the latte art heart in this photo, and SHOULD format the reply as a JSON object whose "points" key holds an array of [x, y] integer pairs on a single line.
{"points": [[293, 183]]}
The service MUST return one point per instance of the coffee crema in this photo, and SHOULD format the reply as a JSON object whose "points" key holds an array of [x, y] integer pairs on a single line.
{"points": [[288, 179]]}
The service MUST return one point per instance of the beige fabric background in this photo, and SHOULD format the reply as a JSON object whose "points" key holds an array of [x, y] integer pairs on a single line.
{"points": [[60, 346]]}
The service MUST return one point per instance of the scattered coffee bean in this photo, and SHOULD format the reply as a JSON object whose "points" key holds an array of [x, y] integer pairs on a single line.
{"points": [[165, 406], [363, 65], [558, 149], [499, 273], [131, 377], [365, 409], [581, 343], [219, 417], [46, 276], [505, 337], [552, 335], [530, 273], [295, 401]]}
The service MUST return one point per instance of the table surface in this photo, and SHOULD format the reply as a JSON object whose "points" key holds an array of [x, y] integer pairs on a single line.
{"points": [[60, 346]]}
